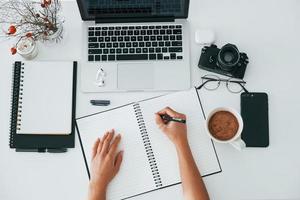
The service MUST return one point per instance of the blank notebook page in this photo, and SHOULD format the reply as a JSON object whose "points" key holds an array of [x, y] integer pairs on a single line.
{"points": [[186, 102], [135, 175], [47, 98]]}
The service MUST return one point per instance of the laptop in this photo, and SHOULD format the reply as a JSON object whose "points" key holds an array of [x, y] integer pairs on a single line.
{"points": [[135, 45]]}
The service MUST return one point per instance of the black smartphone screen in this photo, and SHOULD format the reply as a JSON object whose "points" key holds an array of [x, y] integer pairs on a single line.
{"points": [[255, 114]]}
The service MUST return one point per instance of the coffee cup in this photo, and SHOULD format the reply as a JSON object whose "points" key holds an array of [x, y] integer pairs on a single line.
{"points": [[225, 125]]}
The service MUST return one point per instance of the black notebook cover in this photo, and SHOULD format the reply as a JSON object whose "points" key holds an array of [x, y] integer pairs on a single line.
{"points": [[34, 141]]}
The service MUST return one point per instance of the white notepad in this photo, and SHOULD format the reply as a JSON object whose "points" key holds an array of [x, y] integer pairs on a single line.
{"points": [[150, 160], [45, 97]]}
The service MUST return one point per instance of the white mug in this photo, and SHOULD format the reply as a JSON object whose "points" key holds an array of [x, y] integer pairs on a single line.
{"points": [[235, 141]]}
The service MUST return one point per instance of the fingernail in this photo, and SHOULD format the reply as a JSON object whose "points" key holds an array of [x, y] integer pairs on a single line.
{"points": [[119, 135], [122, 152]]}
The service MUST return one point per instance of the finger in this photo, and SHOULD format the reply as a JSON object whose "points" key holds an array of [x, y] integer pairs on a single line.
{"points": [[106, 142], [114, 146], [173, 113], [118, 161], [105, 135], [95, 147], [169, 111], [159, 121], [100, 145]]}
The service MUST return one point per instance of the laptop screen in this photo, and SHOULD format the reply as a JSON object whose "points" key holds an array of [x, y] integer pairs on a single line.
{"points": [[91, 9]]}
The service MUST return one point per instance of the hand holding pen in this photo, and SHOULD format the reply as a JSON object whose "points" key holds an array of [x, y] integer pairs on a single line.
{"points": [[173, 125]]}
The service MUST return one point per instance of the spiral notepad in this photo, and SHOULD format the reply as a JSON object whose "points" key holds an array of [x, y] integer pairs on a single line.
{"points": [[42, 101], [150, 161], [147, 144]]}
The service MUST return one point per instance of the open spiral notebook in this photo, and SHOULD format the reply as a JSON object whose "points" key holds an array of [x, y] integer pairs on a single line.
{"points": [[150, 159]]}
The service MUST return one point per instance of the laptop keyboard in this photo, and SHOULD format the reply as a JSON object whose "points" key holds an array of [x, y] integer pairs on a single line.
{"points": [[119, 43]]}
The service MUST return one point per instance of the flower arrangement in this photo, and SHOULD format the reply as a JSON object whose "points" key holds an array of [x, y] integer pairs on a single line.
{"points": [[37, 20]]}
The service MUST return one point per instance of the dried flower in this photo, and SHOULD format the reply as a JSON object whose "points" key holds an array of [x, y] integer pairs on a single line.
{"points": [[28, 35], [47, 2], [12, 30], [13, 50]]}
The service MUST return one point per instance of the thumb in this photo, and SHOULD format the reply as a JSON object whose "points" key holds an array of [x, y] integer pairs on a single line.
{"points": [[159, 121], [118, 161]]}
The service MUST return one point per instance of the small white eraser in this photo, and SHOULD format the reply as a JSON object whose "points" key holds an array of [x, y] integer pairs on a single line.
{"points": [[204, 36]]}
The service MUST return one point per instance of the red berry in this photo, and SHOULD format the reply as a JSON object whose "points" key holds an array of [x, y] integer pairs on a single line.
{"points": [[28, 35], [12, 30], [47, 2], [13, 50]]}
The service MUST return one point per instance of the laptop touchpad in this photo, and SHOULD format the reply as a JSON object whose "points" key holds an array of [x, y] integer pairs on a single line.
{"points": [[135, 76]]}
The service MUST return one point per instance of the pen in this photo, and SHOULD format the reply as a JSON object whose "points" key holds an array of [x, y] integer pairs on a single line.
{"points": [[174, 119], [100, 102]]}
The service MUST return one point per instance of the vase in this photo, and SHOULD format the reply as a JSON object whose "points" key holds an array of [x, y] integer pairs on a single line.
{"points": [[27, 48], [56, 36]]}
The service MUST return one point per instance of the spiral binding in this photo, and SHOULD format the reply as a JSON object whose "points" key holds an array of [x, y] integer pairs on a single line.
{"points": [[16, 100], [147, 145]]}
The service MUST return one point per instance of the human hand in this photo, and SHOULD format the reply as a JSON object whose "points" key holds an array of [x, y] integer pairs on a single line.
{"points": [[105, 163], [176, 131]]}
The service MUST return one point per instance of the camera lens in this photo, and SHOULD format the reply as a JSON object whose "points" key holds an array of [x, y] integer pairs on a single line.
{"points": [[228, 57]]}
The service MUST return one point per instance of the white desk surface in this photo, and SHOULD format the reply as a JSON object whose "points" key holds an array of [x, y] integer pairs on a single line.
{"points": [[268, 31]]}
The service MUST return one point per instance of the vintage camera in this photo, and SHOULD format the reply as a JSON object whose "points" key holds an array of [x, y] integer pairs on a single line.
{"points": [[227, 61]]}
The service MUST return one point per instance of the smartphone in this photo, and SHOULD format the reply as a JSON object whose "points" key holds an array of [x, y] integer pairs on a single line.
{"points": [[255, 114]]}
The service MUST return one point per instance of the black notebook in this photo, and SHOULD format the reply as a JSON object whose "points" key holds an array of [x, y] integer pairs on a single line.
{"points": [[149, 161], [43, 105]]}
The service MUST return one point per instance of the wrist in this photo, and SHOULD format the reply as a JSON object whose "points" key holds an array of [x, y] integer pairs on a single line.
{"points": [[97, 191], [181, 144], [97, 186]]}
